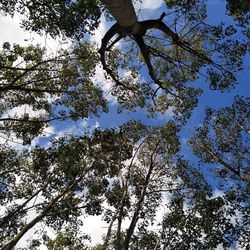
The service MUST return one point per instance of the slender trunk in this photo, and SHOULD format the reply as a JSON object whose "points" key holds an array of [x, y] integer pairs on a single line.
{"points": [[135, 217], [19, 208], [244, 177], [114, 217], [119, 226], [124, 13], [119, 212], [32, 223]]}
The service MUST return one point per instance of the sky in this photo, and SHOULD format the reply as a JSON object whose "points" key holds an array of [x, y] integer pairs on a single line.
{"points": [[14, 34], [148, 9]]}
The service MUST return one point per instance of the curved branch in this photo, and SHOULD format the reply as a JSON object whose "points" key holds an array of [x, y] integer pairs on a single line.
{"points": [[144, 26], [160, 25], [115, 29], [145, 53]]}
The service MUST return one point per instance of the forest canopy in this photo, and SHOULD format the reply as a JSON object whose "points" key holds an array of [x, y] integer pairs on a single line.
{"points": [[163, 161]]}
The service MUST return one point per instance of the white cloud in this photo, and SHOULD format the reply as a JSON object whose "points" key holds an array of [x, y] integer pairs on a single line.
{"points": [[95, 227], [13, 33], [145, 7], [151, 4], [105, 84], [19, 111], [100, 31], [76, 129], [99, 77], [217, 193], [97, 125]]}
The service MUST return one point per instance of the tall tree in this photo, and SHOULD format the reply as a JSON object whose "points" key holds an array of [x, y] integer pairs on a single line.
{"points": [[56, 87], [223, 140], [130, 173], [173, 56], [174, 51], [70, 18], [59, 183]]}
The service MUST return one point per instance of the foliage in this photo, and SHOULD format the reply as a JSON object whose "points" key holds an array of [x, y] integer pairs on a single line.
{"points": [[224, 139], [69, 176], [134, 176], [70, 18], [69, 239], [240, 10], [173, 59], [53, 87]]}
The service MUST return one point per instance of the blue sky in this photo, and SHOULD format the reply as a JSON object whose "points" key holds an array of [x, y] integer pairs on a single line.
{"points": [[210, 98], [148, 10]]}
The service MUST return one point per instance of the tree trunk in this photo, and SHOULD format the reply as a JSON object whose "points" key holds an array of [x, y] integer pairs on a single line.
{"points": [[7, 217], [32, 223], [124, 13]]}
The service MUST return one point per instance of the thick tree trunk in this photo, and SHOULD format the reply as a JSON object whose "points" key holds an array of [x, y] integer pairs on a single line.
{"points": [[124, 13]]}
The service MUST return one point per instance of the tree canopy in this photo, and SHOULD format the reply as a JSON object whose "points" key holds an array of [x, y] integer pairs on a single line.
{"points": [[153, 187]]}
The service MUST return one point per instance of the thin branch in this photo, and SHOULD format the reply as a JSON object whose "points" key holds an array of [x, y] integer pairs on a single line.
{"points": [[19, 208], [31, 69]]}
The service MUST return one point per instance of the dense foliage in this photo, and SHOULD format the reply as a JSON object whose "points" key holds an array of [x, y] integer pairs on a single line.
{"points": [[135, 176]]}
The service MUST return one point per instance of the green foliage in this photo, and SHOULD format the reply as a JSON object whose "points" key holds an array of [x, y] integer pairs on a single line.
{"points": [[224, 139], [70, 18], [204, 226], [239, 10], [53, 87], [133, 176], [67, 239], [213, 52]]}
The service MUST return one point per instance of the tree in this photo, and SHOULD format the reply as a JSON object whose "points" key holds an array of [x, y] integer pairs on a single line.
{"points": [[136, 193], [126, 174], [223, 140], [172, 59], [56, 17], [68, 239], [240, 11], [52, 181], [54, 87]]}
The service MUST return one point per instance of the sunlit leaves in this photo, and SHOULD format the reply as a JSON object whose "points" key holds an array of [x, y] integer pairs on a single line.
{"points": [[70, 18], [49, 87], [224, 139]]}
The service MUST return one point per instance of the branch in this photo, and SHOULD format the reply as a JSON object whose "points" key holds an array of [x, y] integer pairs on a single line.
{"points": [[115, 29], [160, 25], [135, 216], [114, 217], [19, 88], [19, 208], [71, 186], [166, 190], [145, 53], [31, 121], [32, 69]]}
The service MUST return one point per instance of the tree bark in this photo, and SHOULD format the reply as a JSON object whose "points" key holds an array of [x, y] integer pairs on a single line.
{"points": [[140, 201], [124, 13]]}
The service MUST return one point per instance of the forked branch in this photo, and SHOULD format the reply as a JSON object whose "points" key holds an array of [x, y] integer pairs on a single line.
{"points": [[144, 26]]}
